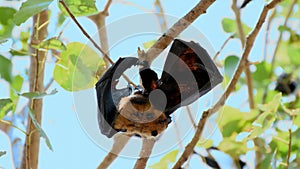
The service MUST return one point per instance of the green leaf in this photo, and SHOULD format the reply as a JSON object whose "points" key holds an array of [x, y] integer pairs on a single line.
{"points": [[165, 161], [2, 153], [39, 128], [265, 119], [5, 107], [265, 163], [79, 7], [232, 147], [273, 105], [262, 73], [260, 93], [52, 43], [280, 142], [61, 19], [204, 143], [230, 26], [148, 44], [294, 53], [37, 95], [15, 87], [30, 8], [291, 112], [6, 22], [78, 67], [282, 28], [230, 65], [5, 68], [232, 120]]}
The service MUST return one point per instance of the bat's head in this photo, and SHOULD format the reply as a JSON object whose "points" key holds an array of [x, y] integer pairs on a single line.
{"points": [[137, 116]]}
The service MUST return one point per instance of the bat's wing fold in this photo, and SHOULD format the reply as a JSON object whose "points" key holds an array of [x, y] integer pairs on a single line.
{"points": [[108, 96], [188, 74]]}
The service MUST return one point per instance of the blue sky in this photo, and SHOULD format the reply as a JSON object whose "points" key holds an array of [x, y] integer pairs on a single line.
{"points": [[73, 142]]}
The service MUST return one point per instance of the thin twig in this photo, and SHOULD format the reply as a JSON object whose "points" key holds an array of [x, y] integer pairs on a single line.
{"points": [[93, 42], [222, 47], [49, 84], [161, 15], [120, 141], [11, 124], [83, 31], [249, 44], [145, 153], [289, 150], [188, 110], [241, 34], [277, 47], [267, 33], [106, 7]]}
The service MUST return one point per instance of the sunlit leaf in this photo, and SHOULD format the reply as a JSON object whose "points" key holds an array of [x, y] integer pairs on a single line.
{"points": [[2, 153], [40, 130], [260, 93], [282, 28], [5, 107], [294, 53], [262, 73], [273, 105], [204, 143], [78, 67], [148, 44], [291, 112], [165, 161], [30, 8], [266, 118], [79, 7], [232, 120], [37, 95], [230, 65], [61, 19], [232, 147], [52, 43], [15, 87], [6, 22], [5, 68], [265, 163], [230, 26]]}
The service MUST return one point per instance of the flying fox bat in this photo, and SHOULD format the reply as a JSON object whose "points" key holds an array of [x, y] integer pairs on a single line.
{"points": [[188, 74]]}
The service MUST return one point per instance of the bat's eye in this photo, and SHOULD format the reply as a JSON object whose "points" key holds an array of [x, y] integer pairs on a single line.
{"points": [[154, 133]]}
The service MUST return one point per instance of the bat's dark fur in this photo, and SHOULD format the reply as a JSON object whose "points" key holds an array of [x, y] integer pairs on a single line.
{"points": [[188, 74]]}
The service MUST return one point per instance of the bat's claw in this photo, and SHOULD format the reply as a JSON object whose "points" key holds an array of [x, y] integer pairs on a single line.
{"points": [[138, 89]]}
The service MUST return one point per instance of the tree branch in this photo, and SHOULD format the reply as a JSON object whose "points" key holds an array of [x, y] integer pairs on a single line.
{"points": [[147, 147], [289, 150], [176, 29], [36, 84], [249, 44], [222, 47], [161, 15], [120, 141], [241, 34]]}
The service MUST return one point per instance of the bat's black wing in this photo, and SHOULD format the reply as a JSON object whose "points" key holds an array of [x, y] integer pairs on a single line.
{"points": [[188, 73], [108, 96]]}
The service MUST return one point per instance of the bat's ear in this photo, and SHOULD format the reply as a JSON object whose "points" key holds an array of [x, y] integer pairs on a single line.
{"points": [[108, 97]]}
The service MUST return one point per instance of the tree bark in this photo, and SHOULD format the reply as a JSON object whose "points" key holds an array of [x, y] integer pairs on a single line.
{"points": [[36, 84]]}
